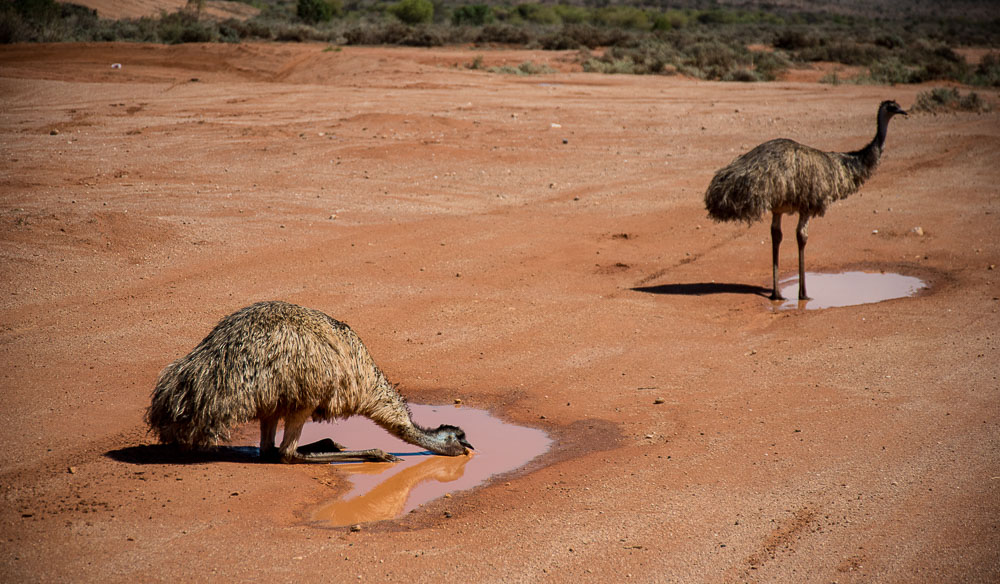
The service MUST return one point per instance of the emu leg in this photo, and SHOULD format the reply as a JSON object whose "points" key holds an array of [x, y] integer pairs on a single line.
{"points": [[268, 430], [802, 236], [775, 244], [290, 453]]}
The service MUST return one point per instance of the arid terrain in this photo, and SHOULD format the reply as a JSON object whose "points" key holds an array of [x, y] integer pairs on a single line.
{"points": [[535, 246]]}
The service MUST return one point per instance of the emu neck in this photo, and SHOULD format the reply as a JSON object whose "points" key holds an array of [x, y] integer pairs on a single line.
{"points": [[388, 409], [422, 437], [868, 156], [883, 129]]}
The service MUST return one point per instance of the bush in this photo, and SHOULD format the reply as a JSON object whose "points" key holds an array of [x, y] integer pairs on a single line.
{"points": [[941, 99], [538, 13], [890, 71], [569, 14], [315, 11], [769, 65], [744, 75], [670, 20], [796, 40], [623, 17], [988, 71], [585, 35], [184, 27], [413, 11], [714, 60], [503, 34], [646, 59], [472, 14], [39, 10], [526, 68], [366, 33], [13, 28], [846, 52]]}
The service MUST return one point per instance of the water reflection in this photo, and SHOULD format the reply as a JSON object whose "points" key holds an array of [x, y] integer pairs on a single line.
{"points": [[386, 490], [847, 289]]}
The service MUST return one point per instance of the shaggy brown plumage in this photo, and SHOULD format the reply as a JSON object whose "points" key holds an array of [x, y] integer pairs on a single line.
{"points": [[273, 361], [783, 176]]}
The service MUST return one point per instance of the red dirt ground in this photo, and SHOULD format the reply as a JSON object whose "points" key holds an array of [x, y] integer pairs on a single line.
{"points": [[536, 246]]}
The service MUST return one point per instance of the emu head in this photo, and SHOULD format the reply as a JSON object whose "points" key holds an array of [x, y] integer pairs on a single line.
{"points": [[890, 108], [452, 440]]}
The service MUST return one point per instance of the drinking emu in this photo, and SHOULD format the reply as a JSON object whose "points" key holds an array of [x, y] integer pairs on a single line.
{"points": [[273, 361]]}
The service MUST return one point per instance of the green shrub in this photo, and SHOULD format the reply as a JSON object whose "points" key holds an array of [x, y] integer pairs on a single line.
{"points": [[472, 14], [987, 73], [610, 65], [713, 60], [503, 34], [569, 14], [769, 65], [423, 36], [253, 28], [743, 75], [889, 72], [670, 20], [575, 36], [538, 13], [381, 33], [526, 68], [796, 39], [413, 11], [316, 11], [941, 99], [650, 58], [846, 52], [623, 17], [184, 27]]}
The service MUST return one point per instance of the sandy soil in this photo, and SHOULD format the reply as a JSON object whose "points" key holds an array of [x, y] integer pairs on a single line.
{"points": [[536, 246]]}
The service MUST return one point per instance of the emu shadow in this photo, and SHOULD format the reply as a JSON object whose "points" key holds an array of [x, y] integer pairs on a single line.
{"points": [[703, 288], [171, 454]]}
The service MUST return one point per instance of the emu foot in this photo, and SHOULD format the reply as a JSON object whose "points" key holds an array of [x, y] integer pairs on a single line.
{"points": [[776, 296], [326, 445], [373, 455]]}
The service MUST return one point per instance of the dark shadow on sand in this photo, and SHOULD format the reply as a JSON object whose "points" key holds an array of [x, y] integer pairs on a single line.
{"points": [[703, 288], [167, 454]]}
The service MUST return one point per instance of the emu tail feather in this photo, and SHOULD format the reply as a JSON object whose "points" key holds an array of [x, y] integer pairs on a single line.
{"points": [[185, 408], [730, 197]]}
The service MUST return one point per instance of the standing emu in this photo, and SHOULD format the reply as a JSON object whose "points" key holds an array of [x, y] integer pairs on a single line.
{"points": [[783, 176], [275, 360]]}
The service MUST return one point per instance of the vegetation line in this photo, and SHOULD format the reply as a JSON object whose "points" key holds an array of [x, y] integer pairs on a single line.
{"points": [[693, 37]]}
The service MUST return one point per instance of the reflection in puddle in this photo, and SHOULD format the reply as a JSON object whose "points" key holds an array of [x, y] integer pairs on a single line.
{"points": [[386, 490], [847, 289]]}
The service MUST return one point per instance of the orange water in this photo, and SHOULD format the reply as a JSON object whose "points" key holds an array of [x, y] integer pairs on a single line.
{"points": [[847, 289], [384, 490]]}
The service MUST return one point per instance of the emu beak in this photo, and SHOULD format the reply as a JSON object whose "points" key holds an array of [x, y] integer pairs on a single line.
{"points": [[465, 443]]}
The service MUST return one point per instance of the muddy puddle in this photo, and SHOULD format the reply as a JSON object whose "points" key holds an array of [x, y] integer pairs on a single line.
{"points": [[386, 490], [847, 289]]}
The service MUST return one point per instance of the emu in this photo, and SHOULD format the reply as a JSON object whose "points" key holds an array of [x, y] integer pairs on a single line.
{"points": [[272, 361], [783, 176]]}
